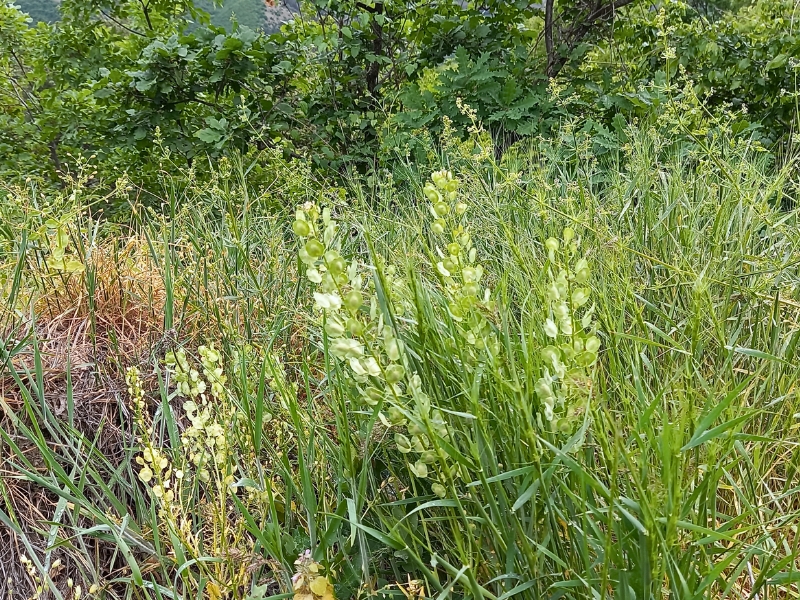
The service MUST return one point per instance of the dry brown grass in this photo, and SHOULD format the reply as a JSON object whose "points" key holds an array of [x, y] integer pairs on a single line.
{"points": [[83, 334], [84, 325]]}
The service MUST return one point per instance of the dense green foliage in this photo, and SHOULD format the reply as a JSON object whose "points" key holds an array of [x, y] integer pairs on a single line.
{"points": [[408, 299], [351, 85], [747, 62]]}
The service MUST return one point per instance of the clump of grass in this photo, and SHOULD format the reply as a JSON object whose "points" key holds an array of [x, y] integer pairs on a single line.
{"points": [[694, 280], [547, 377], [78, 304]]}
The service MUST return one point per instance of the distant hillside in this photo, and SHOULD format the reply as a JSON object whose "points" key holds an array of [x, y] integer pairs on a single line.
{"points": [[256, 14], [40, 10], [281, 12]]}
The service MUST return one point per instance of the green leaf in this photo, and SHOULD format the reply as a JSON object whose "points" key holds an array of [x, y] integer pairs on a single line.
{"points": [[143, 85], [758, 354], [73, 265], [208, 135], [777, 62], [702, 433]]}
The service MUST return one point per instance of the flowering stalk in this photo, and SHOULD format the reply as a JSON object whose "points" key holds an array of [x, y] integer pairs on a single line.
{"points": [[308, 582], [469, 301], [360, 336], [155, 466], [205, 442], [206, 453], [566, 385]]}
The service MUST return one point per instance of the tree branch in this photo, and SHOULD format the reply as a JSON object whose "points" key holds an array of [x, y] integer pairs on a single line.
{"points": [[577, 33], [53, 145], [115, 21], [548, 35], [146, 12]]}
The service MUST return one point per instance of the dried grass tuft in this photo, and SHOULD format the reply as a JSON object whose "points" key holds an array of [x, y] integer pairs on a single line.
{"points": [[87, 327]]}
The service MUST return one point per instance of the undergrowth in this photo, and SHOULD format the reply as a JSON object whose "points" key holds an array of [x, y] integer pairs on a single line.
{"points": [[542, 377]]}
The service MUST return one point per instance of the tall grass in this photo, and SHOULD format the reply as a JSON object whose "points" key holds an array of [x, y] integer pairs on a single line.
{"points": [[679, 480]]}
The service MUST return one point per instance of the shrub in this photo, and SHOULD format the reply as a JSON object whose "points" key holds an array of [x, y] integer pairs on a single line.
{"points": [[740, 61]]}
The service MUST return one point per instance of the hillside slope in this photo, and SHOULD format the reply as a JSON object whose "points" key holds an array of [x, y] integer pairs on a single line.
{"points": [[256, 14]]}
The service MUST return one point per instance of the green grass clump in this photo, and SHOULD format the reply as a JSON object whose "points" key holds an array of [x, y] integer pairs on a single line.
{"points": [[539, 378]]}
